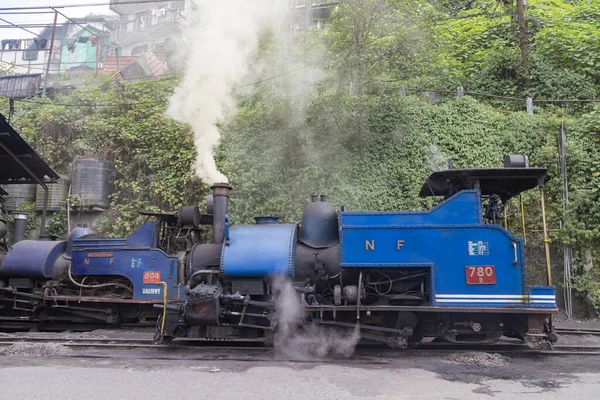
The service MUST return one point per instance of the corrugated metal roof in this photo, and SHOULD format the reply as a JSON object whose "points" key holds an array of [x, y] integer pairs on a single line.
{"points": [[20, 86], [110, 63], [12, 145], [147, 65], [157, 66]]}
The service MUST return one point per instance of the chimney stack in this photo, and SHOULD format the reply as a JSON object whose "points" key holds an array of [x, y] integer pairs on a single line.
{"points": [[221, 193]]}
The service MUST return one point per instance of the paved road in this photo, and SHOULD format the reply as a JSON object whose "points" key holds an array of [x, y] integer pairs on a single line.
{"points": [[411, 377]]}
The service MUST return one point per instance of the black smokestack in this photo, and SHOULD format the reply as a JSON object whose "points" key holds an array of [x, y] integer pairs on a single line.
{"points": [[221, 193], [20, 222]]}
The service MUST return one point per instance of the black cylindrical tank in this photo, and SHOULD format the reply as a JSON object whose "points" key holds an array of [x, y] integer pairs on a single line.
{"points": [[57, 195], [17, 195], [20, 224], [92, 181], [310, 262]]}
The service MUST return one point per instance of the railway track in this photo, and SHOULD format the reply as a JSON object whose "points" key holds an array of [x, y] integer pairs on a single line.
{"points": [[237, 350], [577, 331]]}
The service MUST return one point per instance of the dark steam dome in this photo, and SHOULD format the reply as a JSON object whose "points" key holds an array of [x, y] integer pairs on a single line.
{"points": [[319, 224]]}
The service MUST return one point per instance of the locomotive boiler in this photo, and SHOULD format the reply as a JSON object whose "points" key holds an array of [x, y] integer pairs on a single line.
{"points": [[450, 273]]}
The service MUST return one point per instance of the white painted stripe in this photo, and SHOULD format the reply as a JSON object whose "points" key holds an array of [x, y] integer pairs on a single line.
{"points": [[494, 296], [479, 296], [544, 301], [478, 301]]}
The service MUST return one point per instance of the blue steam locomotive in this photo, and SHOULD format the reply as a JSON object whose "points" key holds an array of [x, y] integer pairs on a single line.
{"points": [[451, 273]]}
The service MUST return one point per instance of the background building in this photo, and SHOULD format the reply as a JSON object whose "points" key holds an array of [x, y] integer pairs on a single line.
{"points": [[148, 26]]}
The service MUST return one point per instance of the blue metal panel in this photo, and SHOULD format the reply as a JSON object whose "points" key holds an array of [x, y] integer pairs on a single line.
{"points": [[260, 250], [542, 296], [144, 237], [463, 208], [32, 259], [75, 234], [98, 260], [90, 244], [448, 251]]}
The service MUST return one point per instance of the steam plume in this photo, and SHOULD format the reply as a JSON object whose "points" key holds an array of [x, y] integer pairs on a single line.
{"points": [[303, 341], [221, 38]]}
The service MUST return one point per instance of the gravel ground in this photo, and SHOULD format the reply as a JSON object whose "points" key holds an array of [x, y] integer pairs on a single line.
{"points": [[48, 370], [407, 377], [35, 349], [478, 358]]}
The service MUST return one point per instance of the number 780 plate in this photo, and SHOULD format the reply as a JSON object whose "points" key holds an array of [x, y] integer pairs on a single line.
{"points": [[481, 275]]}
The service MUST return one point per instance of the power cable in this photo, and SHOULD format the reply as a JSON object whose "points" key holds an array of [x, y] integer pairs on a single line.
{"points": [[284, 73], [25, 12], [17, 26], [79, 105], [76, 23], [105, 3]]}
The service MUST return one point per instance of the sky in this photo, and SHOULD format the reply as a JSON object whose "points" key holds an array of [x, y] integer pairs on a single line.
{"points": [[15, 33]]}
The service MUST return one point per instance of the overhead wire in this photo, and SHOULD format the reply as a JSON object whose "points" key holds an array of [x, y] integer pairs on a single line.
{"points": [[69, 19], [98, 4], [17, 26], [305, 66]]}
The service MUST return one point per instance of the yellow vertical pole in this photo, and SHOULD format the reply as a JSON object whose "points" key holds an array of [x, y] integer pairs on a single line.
{"points": [[546, 239], [164, 316], [523, 219]]}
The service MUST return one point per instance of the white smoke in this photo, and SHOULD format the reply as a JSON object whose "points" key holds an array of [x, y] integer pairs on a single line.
{"points": [[298, 340], [220, 40], [436, 159]]}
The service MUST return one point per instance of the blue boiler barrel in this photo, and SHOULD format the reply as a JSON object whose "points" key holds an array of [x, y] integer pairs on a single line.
{"points": [[32, 259], [257, 251]]}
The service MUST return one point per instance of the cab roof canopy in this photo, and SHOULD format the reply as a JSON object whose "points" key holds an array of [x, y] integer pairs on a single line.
{"points": [[504, 182], [19, 163]]}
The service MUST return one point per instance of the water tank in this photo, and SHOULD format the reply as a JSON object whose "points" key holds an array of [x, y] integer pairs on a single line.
{"points": [[18, 194], [57, 195], [92, 182]]}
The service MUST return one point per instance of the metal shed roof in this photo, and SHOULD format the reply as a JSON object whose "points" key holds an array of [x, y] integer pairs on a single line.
{"points": [[19, 163], [505, 182], [20, 86]]}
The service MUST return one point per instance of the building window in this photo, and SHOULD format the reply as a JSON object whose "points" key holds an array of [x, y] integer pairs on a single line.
{"points": [[142, 20]]}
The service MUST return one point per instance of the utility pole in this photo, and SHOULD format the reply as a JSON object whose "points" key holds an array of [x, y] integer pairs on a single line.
{"points": [[50, 54], [523, 41]]}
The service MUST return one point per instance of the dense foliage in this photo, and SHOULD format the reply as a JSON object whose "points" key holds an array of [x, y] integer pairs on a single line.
{"points": [[354, 119]]}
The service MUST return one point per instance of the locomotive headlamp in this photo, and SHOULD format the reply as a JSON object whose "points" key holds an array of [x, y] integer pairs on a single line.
{"points": [[516, 161]]}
